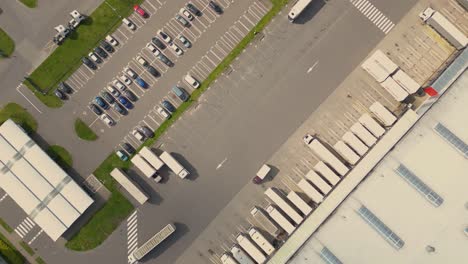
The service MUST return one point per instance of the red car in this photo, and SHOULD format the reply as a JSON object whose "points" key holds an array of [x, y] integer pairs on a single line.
{"points": [[140, 11]]}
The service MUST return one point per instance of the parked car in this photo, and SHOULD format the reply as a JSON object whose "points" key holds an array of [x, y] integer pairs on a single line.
{"points": [[163, 112], [165, 60], [140, 11], [153, 71], [107, 97], [142, 61], [125, 79], [180, 92], [178, 51], [95, 109], [107, 119], [65, 88], [108, 47], [60, 95], [101, 52], [147, 131], [128, 148], [153, 49], [213, 5], [129, 24], [88, 63], [185, 41], [122, 156], [99, 101], [164, 36], [113, 41], [94, 57], [169, 107], [182, 20], [141, 82], [130, 95], [119, 85], [192, 8], [158, 43], [130, 72], [186, 14], [111, 89], [125, 102], [138, 135], [120, 109], [192, 81]]}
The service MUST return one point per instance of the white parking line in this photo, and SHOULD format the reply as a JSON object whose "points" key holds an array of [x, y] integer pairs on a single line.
{"points": [[216, 55], [27, 99]]}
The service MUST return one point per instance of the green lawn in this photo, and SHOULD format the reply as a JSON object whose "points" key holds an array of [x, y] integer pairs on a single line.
{"points": [[29, 3], [7, 45], [6, 226], [18, 114], [26, 247], [39, 260], [9, 252], [83, 131], [61, 156], [67, 57]]}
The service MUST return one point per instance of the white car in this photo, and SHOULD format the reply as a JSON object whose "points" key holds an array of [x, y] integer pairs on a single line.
{"points": [[94, 57], [129, 24], [163, 112], [138, 135], [142, 61], [164, 36], [113, 91], [192, 81], [125, 79], [186, 14], [107, 119], [130, 72], [153, 49], [112, 40], [119, 85], [178, 51]]}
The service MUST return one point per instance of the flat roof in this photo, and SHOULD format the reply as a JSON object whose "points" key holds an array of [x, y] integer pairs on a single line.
{"points": [[46, 193]]}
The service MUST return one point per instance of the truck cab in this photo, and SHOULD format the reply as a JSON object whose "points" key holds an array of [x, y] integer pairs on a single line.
{"points": [[261, 174]]}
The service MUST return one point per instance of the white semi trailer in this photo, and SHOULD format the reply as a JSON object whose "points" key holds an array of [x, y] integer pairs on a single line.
{"points": [[145, 167], [406, 82], [299, 203], [261, 241], [325, 154], [153, 242], [394, 89], [284, 205], [383, 114], [280, 219], [265, 222], [308, 189], [364, 135], [379, 66], [326, 172], [122, 178], [368, 122], [241, 256], [174, 165], [355, 143], [346, 152], [228, 259], [151, 158], [255, 253], [321, 184]]}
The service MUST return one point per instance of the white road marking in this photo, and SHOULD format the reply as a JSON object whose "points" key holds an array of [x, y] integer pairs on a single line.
{"points": [[27, 99], [312, 67], [34, 238], [221, 164]]}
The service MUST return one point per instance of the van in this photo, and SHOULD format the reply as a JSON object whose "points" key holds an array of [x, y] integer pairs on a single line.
{"points": [[192, 81], [181, 93], [129, 24]]}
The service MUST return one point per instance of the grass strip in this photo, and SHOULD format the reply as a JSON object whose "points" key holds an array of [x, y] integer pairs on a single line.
{"points": [[7, 45], [61, 156], [27, 248], [19, 115], [39, 260], [9, 252], [6, 226], [83, 131], [29, 3]]}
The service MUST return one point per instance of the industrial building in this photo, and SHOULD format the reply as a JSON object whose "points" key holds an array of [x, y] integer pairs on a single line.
{"points": [[45, 192]]}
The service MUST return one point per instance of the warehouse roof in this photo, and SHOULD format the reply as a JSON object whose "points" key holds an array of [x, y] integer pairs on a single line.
{"points": [[46, 193]]}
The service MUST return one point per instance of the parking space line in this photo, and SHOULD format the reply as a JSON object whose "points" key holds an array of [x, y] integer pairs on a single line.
{"points": [[250, 21], [198, 72], [244, 26], [123, 34], [205, 65], [217, 46], [168, 28], [228, 41], [149, 3], [216, 55], [241, 34], [232, 36]]}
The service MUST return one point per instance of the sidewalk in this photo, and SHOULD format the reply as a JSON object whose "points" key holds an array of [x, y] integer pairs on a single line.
{"points": [[15, 241]]}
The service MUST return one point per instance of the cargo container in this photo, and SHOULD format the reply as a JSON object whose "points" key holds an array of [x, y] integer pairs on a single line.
{"points": [[261, 241], [370, 124], [325, 154], [174, 165], [320, 183], [444, 27], [122, 178], [280, 219], [327, 173], [383, 114], [299, 203], [151, 158], [266, 223], [241, 256], [310, 191], [355, 143], [275, 196], [346, 152], [145, 167], [255, 253], [406, 82], [394, 89], [228, 259], [153, 242], [379, 66], [361, 132]]}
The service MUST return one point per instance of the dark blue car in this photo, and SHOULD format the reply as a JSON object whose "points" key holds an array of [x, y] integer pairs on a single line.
{"points": [[170, 107], [141, 82], [99, 101], [125, 102]]}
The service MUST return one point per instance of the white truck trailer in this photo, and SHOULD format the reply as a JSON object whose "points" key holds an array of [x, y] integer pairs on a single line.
{"points": [[308, 189], [284, 205], [361, 132], [241, 256], [326, 172], [383, 114], [406, 82], [151, 158], [355, 143], [325, 154], [346, 152], [122, 178], [255, 253], [280, 219], [145, 167], [261, 241], [444, 27], [394, 89], [299, 203], [174, 165], [368, 122], [228, 259], [265, 222], [379, 66], [153, 242], [321, 184]]}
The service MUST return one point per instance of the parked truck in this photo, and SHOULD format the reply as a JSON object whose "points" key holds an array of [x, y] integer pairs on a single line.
{"points": [[153, 242], [255, 253], [385, 117], [241, 256], [361, 132], [463, 3], [325, 154], [444, 27], [327, 173], [406, 82], [370, 124], [299, 203], [145, 167], [355, 143], [280, 219], [394, 89], [346, 152], [310, 191], [261, 241], [122, 178], [265, 222], [284, 205], [379, 66], [228, 259], [320, 183], [174, 165], [151, 158]]}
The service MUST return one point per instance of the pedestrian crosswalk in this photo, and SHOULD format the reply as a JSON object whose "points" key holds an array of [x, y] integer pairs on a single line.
{"points": [[24, 227], [132, 232], [374, 15]]}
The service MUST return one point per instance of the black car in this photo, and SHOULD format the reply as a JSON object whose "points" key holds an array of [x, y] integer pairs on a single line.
{"points": [[215, 7], [107, 46], [128, 148], [153, 71], [147, 131], [95, 109], [192, 8], [88, 63], [165, 60], [131, 96], [101, 52], [158, 43], [60, 95], [171, 108], [64, 88], [117, 107], [107, 97]]}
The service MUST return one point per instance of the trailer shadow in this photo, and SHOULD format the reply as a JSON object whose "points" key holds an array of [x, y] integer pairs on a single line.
{"points": [[181, 230], [146, 186]]}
